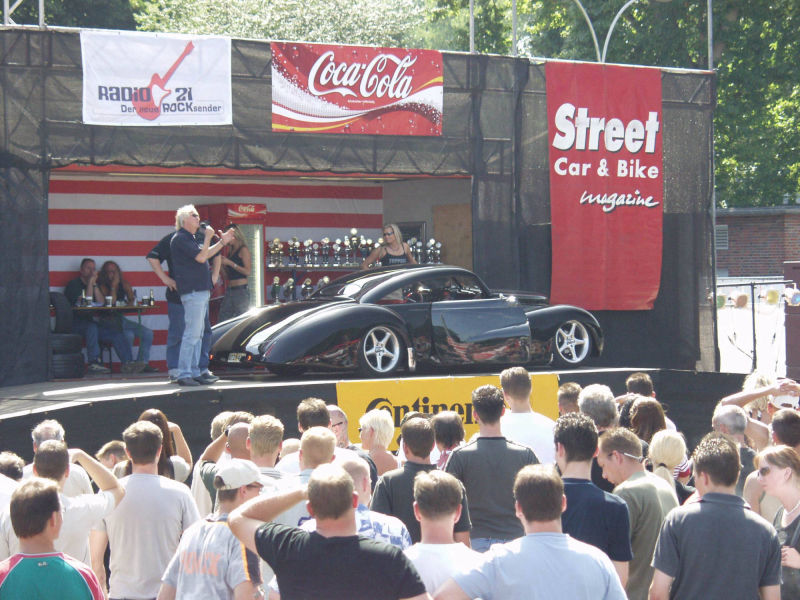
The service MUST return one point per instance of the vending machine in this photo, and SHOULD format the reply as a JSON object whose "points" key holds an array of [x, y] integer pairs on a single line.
{"points": [[251, 220]]}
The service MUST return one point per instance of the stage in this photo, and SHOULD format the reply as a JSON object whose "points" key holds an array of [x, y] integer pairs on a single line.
{"points": [[97, 409]]}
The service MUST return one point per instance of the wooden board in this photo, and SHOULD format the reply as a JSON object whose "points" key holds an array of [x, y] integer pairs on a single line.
{"points": [[452, 225]]}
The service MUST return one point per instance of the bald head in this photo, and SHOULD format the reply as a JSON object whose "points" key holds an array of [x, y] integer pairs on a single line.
{"points": [[237, 440]]}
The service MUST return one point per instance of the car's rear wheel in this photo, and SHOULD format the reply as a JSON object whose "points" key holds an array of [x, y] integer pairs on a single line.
{"points": [[380, 351], [572, 344]]}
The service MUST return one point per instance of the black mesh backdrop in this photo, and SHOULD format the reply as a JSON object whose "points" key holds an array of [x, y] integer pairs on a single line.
{"points": [[495, 129]]}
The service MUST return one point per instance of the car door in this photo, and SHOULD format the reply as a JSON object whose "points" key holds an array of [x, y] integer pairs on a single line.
{"points": [[470, 327]]}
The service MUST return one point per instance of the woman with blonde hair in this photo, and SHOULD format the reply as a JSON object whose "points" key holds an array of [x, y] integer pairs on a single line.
{"points": [[377, 429], [667, 451], [393, 251], [236, 269], [779, 475]]}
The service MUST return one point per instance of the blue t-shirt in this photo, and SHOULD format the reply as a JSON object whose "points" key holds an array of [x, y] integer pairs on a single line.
{"points": [[597, 518], [190, 275]]}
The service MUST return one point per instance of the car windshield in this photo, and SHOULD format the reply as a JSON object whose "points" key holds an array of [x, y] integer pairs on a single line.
{"points": [[352, 286]]}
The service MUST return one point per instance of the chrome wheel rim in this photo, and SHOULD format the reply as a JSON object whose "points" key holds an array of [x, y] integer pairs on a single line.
{"points": [[573, 342], [381, 349]]}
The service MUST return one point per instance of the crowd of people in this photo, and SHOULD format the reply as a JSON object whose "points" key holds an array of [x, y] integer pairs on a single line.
{"points": [[605, 502]]}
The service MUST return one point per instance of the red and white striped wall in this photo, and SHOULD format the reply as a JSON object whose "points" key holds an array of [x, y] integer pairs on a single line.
{"points": [[121, 218]]}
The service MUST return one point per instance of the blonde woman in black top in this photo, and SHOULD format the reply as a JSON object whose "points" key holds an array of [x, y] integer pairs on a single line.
{"points": [[393, 251]]}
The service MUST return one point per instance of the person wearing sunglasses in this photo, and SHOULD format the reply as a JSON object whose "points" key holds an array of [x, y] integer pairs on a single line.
{"points": [[779, 476], [649, 499], [393, 251]]}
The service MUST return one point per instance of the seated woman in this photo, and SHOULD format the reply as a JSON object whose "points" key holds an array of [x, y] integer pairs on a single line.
{"points": [[393, 251], [112, 284]]}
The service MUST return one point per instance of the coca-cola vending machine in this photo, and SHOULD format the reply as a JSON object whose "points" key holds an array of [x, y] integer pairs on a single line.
{"points": [[251, 219]]}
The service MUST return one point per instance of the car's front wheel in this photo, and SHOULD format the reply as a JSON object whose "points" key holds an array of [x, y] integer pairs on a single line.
{"points": [[572, 344], [380, 351]]}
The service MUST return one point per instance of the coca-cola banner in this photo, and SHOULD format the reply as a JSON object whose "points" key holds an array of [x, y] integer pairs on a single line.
{"points": [[354, 89], [147, 79], [606, 184]]}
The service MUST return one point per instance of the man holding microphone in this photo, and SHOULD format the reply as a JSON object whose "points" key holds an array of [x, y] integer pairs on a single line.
{"points": [[193, 278]]}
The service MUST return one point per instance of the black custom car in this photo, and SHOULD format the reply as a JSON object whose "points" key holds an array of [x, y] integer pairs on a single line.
{"points": [[390, 318]]}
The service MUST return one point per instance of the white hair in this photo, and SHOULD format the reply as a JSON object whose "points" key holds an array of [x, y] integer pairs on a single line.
{"points": [[381, 422], [183, 212], [597, 402], [47, 430]]}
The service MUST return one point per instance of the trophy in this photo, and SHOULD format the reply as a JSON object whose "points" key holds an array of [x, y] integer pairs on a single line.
{"points": [[418, 252], [429, 250], [275, 254], [437, 253], [337, 252], [275, 290], [306, 288], [325, 251], [289, 291], [346, 243], [307, 257], [292, 252], [315, 257], [355, 242]]}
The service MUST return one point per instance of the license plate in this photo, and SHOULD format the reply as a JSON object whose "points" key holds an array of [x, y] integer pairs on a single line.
{"points": [[235, 357]]}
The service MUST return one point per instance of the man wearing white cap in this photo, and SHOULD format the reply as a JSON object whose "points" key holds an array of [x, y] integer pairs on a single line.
{"points": [[210, 562]]}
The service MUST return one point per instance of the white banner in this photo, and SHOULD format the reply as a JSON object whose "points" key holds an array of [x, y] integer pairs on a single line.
{"points": [[146, 79]]}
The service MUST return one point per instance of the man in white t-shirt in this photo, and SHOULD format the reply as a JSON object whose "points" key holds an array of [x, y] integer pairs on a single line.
{"points": [[52, 461], [77, 481], [145, 528], [522, 424], [437, 507]]}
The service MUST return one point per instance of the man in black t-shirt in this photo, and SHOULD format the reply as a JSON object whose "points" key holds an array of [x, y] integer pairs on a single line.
{"points": [[160, 253], [332, 562]]}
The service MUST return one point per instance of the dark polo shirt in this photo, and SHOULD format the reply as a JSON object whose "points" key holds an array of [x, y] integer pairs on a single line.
{"points": [[719, 548], [190, 275]]}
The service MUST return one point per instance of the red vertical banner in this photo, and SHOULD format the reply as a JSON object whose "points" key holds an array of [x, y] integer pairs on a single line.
{"points": [[606, 184]]}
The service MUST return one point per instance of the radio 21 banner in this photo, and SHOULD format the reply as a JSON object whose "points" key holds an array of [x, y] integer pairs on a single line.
{"points": [[142, 79], [318, 88], [606, 184]]}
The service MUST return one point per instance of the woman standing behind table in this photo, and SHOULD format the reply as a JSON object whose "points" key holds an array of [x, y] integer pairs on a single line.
{"points": [[393, 251], [112, 284], [236, 268], [779, 475]]}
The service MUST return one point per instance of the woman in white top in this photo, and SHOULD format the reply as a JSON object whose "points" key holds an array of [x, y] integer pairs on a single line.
{"points": [[175, 460]]}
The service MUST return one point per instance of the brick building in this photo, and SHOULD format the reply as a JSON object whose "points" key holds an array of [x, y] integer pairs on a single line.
{"points": [[754, 242]]}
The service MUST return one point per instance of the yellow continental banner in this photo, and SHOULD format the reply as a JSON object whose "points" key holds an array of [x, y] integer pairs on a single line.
{"points": [[431, 395]]}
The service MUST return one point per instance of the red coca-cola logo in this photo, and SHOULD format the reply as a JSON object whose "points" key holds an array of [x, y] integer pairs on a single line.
{"points": [[384, 75]]}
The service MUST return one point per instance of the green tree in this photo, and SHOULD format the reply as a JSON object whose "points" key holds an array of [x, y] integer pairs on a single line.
{"points": [[757, 133], [376, 22], [101, 14]]}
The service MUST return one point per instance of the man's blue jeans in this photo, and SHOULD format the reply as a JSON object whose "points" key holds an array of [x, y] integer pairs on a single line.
{"points": [[94, 333], [175, 334], [195, 313], [132, 330]]}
